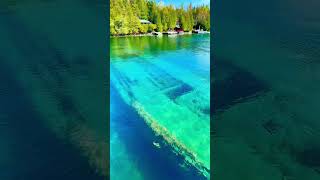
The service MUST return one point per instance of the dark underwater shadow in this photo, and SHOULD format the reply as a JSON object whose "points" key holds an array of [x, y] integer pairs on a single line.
{"points": [[42, 146], [34, 152], [276, 42], [232, 85]]}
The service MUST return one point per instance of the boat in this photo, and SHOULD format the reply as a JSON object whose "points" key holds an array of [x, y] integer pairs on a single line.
{"points": [[170, 33], [180, 32], [157, 33], [200, 31]]}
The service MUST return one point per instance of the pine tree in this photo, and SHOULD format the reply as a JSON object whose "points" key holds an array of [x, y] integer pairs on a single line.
{"points": [[158, 22], [152, 8], [142, 4], [190, 14], [125, 17], [172, 17]]}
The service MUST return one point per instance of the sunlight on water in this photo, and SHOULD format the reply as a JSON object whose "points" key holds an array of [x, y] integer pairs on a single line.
{"points": [[165, 82]]}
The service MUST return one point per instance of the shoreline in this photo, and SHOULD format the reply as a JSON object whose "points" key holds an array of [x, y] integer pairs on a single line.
{"points": [[150, 34]]}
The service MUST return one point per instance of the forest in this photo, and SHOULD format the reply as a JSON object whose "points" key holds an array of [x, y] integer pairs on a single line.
{"points": [[125, 16]]}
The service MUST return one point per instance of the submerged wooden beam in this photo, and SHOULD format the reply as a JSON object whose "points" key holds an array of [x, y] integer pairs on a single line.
{"points": [[177, 146]]}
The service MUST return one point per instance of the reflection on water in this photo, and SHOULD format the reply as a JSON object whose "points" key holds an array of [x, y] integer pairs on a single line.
{"points": [[267, 90], [160, 107], [128, 47]]}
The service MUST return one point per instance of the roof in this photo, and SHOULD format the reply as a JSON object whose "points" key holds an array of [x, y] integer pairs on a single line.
{"points": [[144, 21]]}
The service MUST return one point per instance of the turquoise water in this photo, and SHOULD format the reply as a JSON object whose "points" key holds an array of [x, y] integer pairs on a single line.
{"points": [[160, 107]]}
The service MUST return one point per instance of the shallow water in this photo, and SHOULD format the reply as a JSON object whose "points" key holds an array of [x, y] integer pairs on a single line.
{"points": [[160, 94]]}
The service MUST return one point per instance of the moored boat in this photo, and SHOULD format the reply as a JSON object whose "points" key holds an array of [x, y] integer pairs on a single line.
{"points": [[199, 31], [170, 33], [157, 33]]}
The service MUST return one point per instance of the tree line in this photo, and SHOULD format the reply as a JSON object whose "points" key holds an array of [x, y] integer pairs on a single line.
{"points": [[125, 16]]}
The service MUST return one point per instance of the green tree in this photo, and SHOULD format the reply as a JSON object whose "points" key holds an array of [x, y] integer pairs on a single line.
{"points": [[172, 17], [125, 16], [144, 28], [152, 10], [159, 22], [143, 8], [165, 18], [190, 14], [202, 17], [152, 27]]}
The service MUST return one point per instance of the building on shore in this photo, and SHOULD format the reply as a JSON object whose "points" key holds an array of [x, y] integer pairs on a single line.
{"points": [[143, 21]]}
